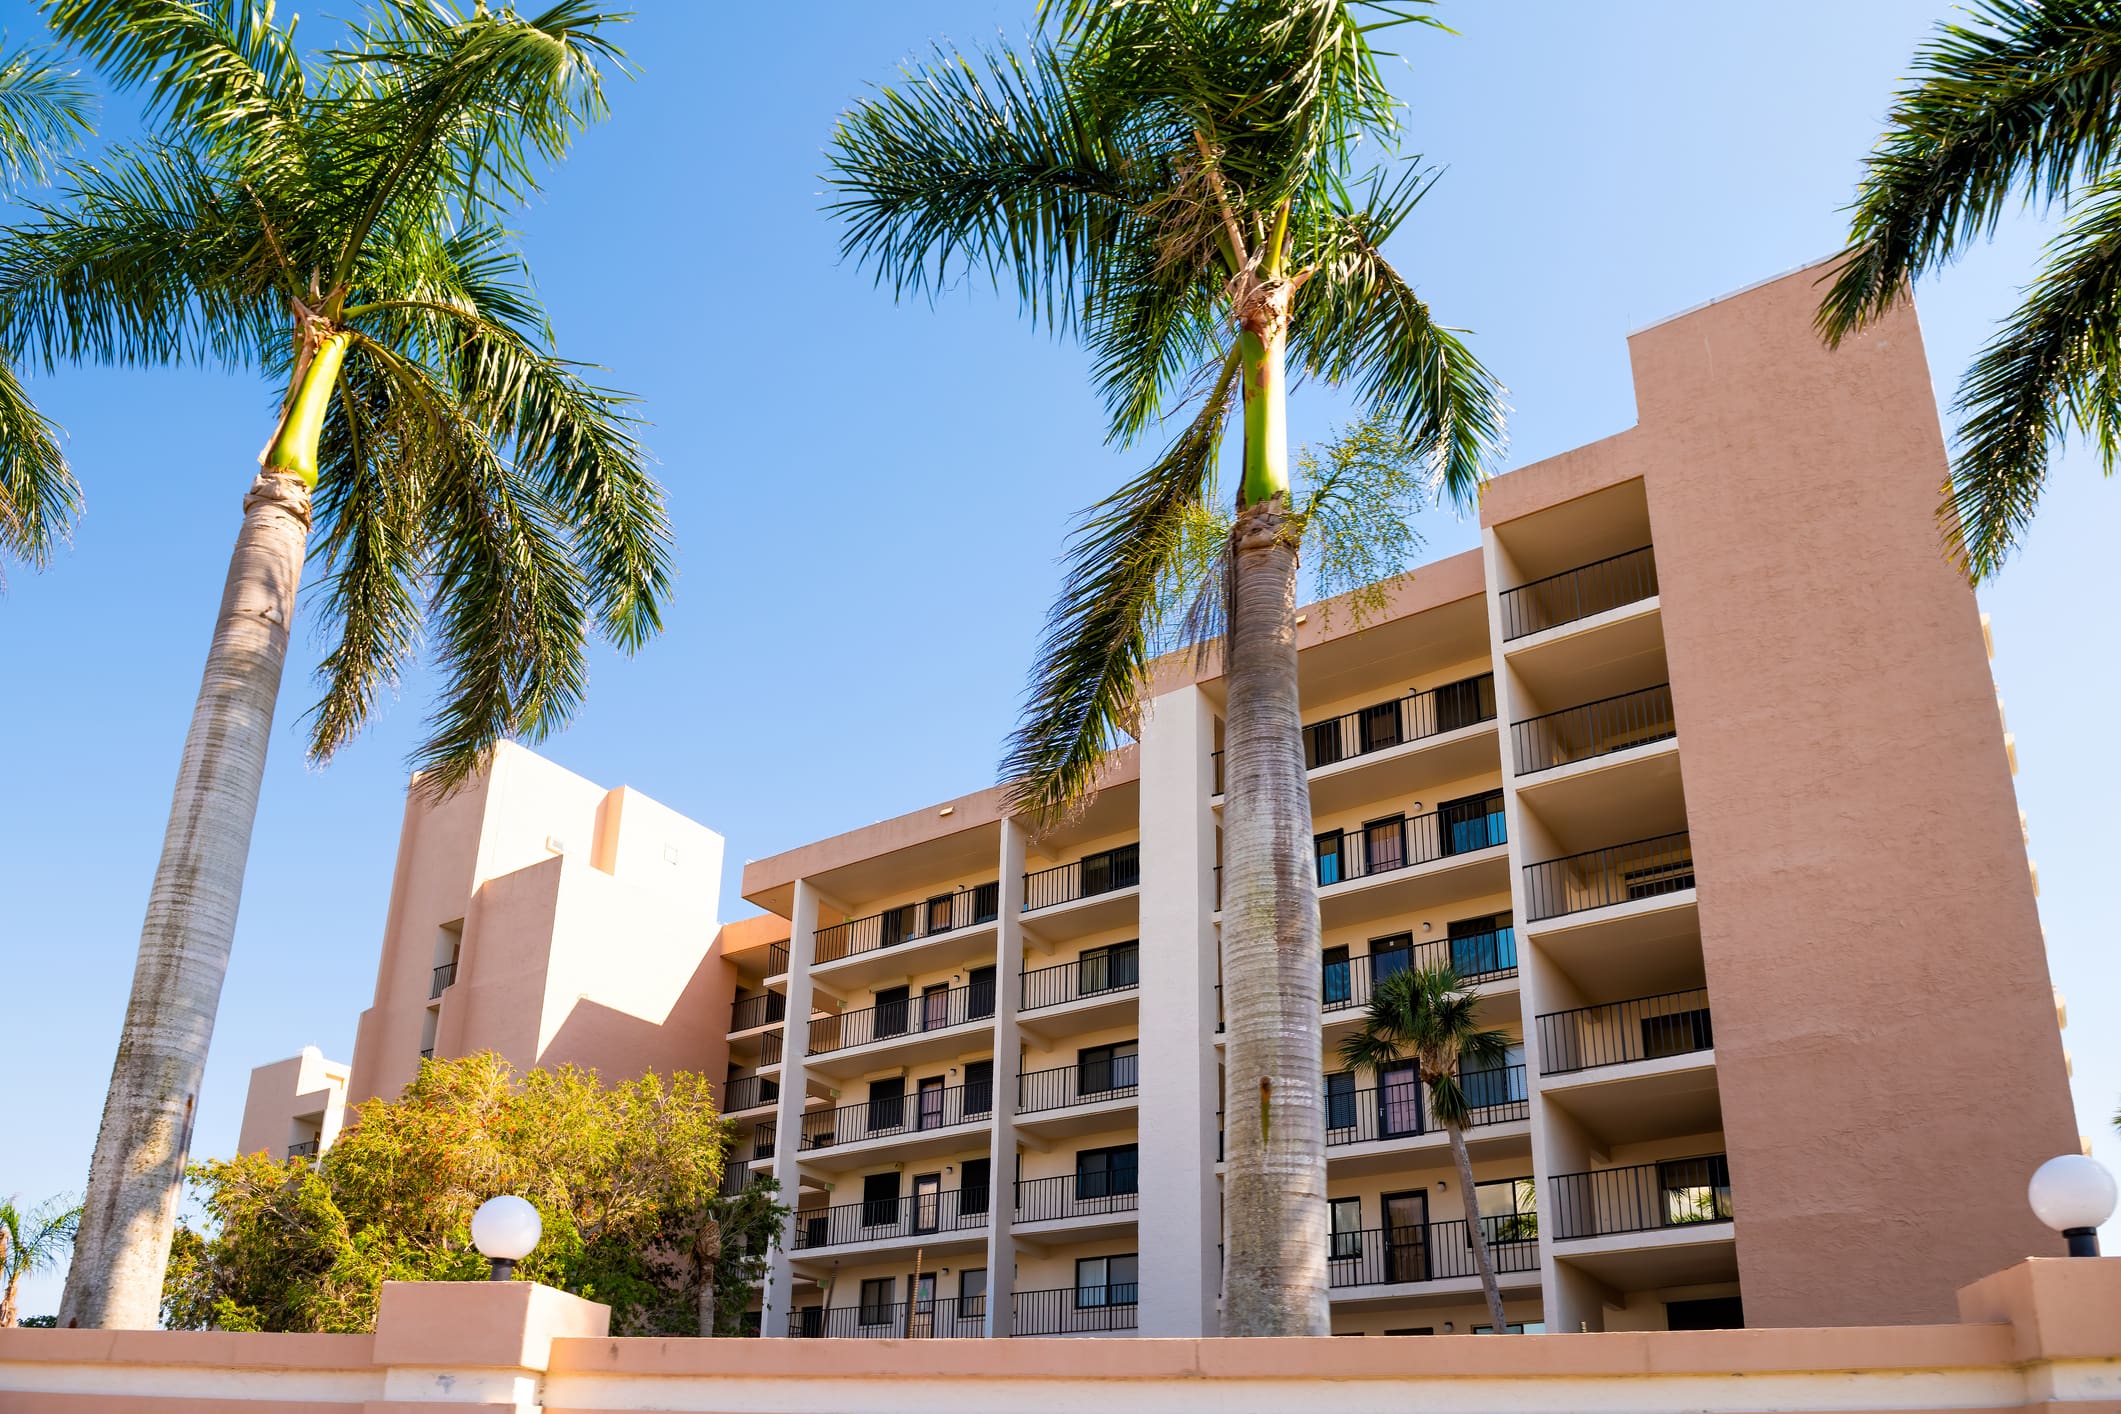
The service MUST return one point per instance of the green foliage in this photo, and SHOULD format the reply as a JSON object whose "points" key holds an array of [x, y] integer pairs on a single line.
{"points": [[32, 1240], [2023, 103], [1432, 1018], [623, 1178], [473, 488]]}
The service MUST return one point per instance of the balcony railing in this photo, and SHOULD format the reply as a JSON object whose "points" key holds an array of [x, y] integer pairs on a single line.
{"points": [[764, 1140], [1394, 722], [1076, 1308], [1595, 729], [770, 1048], [444, 975], [1357, 854], [1646, 1197], [306, 1149], [918, 1215], [1621, 873], [761, 1010], [427, 1053], [1085, 1083], [1388, 1256], [748, 1092], [1402, 1110], [908, 1016], [944, 1317], [945, 913], [1646, 1028], [890, 1116], [776, 959], [1578, 593], [1086, 878], [1117, 969], [1475, 957], [1076, 1195]]}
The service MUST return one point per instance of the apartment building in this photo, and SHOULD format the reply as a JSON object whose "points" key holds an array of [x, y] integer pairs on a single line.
{"points": [[1694, 769]]}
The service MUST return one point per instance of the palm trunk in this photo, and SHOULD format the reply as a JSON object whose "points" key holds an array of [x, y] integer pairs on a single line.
{"points": [[1274, 1191], [708, 1256], [1482, 1260], [9, 1310]]}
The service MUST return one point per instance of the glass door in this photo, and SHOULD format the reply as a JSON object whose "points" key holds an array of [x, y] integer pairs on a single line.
{"points": [[931, 1102], [1407, 1236], [1399, 1107], [927, 1202]]}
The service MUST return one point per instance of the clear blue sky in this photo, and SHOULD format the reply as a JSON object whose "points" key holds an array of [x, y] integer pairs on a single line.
{"points": [[824, 447]]}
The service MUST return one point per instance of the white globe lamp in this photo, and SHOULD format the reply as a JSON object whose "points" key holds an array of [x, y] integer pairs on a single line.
{"points": [[2073, 1194], [504, 1229]]}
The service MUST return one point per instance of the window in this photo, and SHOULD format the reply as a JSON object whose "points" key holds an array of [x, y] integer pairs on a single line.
{"points": [[1708, 1313], [979, 1088], [979, 1000], [978, 1178], [972, 1293], [1696, 1190], [1677, 1033], [1462, 703], [1413, 1330], [1346, 1215], [1508, 1210], [887, 1103], [1515, 1328], [813, 1322], [1108, 969], [1100, 1070], [898, 924], [1339, 982], [939, 910], [1483, 947], [879, 1199], [1106, 1281], [890, 1011], [1328, 848], [1340, 1105], [1106, 1173], [1389, 957], [877, 1293], [1471, 822], [1380, 726], [1495, 1085], [1322, 744], [1112, 869], [1384, 844]]}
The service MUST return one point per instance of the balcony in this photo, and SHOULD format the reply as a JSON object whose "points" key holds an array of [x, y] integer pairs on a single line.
{"points": [[1070, 1086], [306, 1149], [898, 1117], [750, 1013], [1396, 722], [921, 1215], [908, 923], [1602, 878], [776, 959], [1675, 1194], [1578, 594], [903, 1021], [1401, 1110], [1106, 872], [444, 975], [749, 1092], [1593, 730], [943, 1317], [1488, 956], [764, 1140], [1622, 1033], [1074, 1309], [1438, 1251], [1103, 973], [1076, 1195], [770, 1046]]}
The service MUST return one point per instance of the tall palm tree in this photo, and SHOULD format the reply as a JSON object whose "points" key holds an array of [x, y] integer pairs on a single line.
{"points": [[332, 220], [1175, 181], [31, 1240], [1429, 1017], [2021, 104], [44, 111]]}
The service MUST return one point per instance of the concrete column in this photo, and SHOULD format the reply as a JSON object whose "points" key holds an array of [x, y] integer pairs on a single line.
{"points": [[1181, 1199], [1008, 1062], [795, 1090]]}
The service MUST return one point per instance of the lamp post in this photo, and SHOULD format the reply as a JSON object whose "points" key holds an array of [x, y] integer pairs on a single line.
{"points": [[2073, 1194], [504, 1229]]}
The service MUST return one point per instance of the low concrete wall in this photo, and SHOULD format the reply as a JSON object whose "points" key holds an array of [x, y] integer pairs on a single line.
{"points": [[2042, 1336]]}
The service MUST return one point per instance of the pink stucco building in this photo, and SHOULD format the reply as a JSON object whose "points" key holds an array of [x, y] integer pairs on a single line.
{"points": [[1695, 765]]}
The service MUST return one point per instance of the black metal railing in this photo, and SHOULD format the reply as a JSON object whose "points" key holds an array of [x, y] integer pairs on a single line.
{"points": [[945, 913], [764, 1140], [1403, 1110], [1076, 1195], [1424, 839], [735, 1177], [427, 1053], [1475, 957], [1578, 593], [444, 975], [307, 1149], [748, 1092], [1674, 1193], [1388, 1256], [1084, 1083], [906, 1016], [761, 1010], [887, 1116], [944, 1318], [770, 1047], [776, 959], [1076, 1308], [1393, 722], [1095, 974], [1595, 729], [917, 1215], [1645, 1028], [1621, 873], [1086, 878]]}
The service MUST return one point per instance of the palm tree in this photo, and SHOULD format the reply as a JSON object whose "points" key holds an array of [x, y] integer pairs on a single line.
{"points": [[1431, 1018], [43, 112], [30, 1242], [1175, 181], [332, 221], [2021, 104]]}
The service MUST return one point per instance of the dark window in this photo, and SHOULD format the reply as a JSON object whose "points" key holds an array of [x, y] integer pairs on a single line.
{"points": [[1101, 1069], [890, 1011], [972, 1293], [1108, 969], [939, 910], [979, 1088], [1339, 982], [1482, 947], [1322, 744], [1384, 844], [978, 1178], [1106, 1173], [931, 1102], [1106, 1281], [1471, 822], [1328, 848], [1708, 1313], [1112, 869], [1390, 957], [813, 1322], [876, 1300], [1380, 726], [1508, 1209], [1460, 704], [986, 902], [1695, 1190], [815, 1228], [1340, 1101], [879, 1199], [1676, 1034], [1346, 1215], [979, 999], [887, 1103], [899, 924], [1413, 1330]]}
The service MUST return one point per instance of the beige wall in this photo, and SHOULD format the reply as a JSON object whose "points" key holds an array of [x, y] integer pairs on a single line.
{"points": [[293, 1101]]}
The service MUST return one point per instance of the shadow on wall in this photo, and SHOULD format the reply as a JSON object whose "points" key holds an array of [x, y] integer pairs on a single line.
{"points": [[620, 1045]]}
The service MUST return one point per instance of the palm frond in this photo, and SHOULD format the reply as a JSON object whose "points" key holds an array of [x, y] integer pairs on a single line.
{"points": [[2056, 365], [1096, 645], [44, 112], [39, 497], [1155, 318], [2027, 96], [1357, 322]]}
